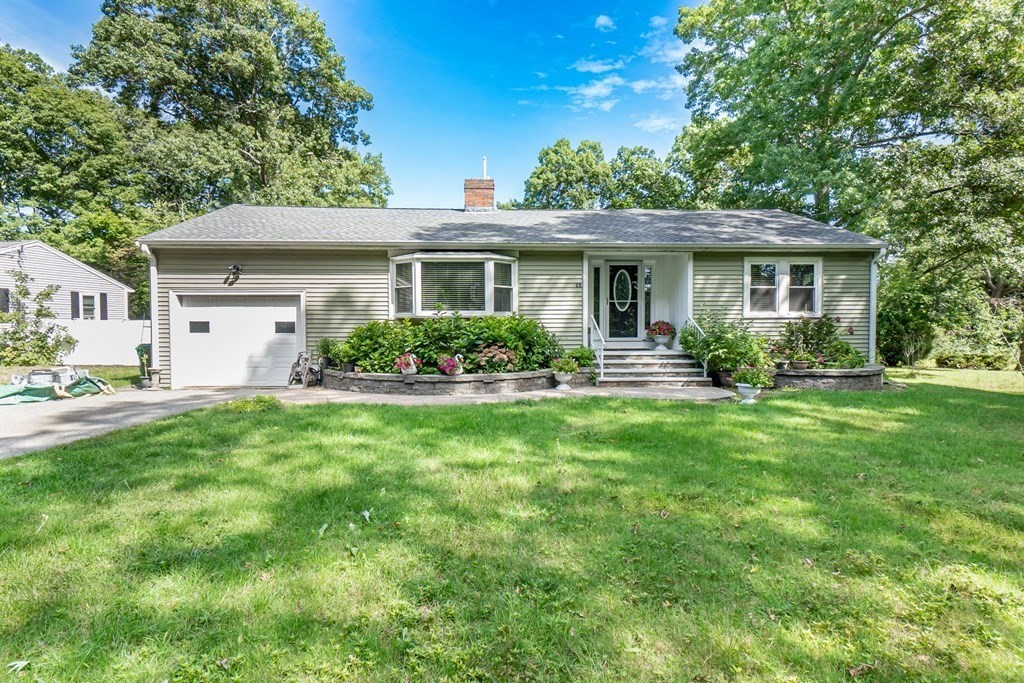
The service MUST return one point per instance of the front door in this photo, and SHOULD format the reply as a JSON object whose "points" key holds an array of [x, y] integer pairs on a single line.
{"points": [[624, 305]]}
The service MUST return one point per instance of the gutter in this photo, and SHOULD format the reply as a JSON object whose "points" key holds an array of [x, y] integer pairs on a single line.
{"points": [[154, 293], [873, 306]]}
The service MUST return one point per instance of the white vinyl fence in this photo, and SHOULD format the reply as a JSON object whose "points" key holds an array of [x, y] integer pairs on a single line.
{"points": [[105, 342]]}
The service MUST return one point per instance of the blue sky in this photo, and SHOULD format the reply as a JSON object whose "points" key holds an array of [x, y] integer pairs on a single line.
{"points": [[454, 81]]}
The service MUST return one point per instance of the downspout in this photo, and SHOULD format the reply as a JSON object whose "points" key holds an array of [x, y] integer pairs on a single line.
{"points": [[154, 293], [873, 306]]}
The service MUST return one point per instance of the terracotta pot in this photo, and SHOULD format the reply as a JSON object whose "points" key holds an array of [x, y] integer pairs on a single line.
{"points": [[800, 364], [721, 378]]}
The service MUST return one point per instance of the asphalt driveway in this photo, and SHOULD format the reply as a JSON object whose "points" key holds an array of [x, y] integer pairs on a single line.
{"points": [[28, 427]]}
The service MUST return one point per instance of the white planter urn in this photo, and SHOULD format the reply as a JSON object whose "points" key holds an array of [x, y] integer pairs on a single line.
{"points": [[661, 340], [748, 392], [563, 380], [410, 371]]}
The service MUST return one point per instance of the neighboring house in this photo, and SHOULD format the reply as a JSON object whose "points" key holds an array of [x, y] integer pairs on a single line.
{"points": [[93, 306], [236, 293]]}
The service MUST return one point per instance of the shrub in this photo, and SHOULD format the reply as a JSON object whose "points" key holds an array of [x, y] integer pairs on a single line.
{"points": [[754, 377], [816, 340], [375, 345], [906, 328], [495, 359], [30, 334], [583, 356], [725, 344]]}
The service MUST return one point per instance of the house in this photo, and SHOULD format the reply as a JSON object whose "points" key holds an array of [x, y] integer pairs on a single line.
{"points": [[236, 293], [93, 306]]}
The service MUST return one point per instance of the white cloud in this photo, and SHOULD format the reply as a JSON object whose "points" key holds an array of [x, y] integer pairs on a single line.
{"points": [[666, 88], [669, 51], [658, 123], [540, 74], [596, 94], [604, 23], [658, 22], [597, 66]]}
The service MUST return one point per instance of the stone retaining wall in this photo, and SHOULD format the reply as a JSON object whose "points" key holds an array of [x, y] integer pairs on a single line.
{"points": [[867, 378], [443, 385]]}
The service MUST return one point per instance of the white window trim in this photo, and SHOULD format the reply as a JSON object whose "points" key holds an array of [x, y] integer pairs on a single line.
{"points": [[417, 259], [96, 308], [782, 286]]}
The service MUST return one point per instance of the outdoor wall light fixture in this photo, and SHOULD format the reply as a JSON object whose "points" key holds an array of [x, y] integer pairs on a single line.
{"points": [[234, 271]]}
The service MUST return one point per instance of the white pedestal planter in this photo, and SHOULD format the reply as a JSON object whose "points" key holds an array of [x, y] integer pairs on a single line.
{"points": [[748, 392], [661, 340], [563, 380]]}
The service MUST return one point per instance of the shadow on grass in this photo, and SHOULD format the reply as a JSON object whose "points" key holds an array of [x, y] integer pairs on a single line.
{"points": [[577, 539]]}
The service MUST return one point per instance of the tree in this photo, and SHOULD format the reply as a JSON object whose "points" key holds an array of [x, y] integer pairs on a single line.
{"points": [[567, 178], [257, 83], [31, 337], [640, 180]]}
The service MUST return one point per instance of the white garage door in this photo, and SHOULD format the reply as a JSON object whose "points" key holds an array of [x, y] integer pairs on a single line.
{"points": [[234, 341]]}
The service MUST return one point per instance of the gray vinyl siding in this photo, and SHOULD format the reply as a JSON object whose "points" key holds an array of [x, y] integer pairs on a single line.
{"points": [[344, 288], [846, 290], [47, 268], [551, 290]]}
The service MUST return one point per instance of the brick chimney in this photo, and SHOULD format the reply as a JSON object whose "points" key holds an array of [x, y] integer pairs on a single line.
{"points": [[479, 194]]}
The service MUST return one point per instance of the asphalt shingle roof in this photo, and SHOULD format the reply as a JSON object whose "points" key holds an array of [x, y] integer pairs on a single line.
{"points": [[240, 223]]}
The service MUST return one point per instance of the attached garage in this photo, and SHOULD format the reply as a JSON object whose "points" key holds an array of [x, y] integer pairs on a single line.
{"points": [[242, 339]]}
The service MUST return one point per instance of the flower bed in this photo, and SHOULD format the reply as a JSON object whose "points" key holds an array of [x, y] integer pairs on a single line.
{"points": [[443, 385], [866, 378]]}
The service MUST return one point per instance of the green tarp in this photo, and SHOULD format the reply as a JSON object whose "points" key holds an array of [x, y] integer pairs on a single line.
{"points": [[11, 394]]}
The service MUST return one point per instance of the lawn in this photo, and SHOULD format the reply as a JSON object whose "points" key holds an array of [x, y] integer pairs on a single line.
{"points": [[119, 376], [810, 537]]}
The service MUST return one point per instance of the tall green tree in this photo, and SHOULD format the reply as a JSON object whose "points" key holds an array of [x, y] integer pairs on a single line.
{"points": [[257, 83], [640, 180], [567, 178]]}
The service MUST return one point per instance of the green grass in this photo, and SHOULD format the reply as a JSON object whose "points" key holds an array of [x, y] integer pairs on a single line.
{"points": [[119, 376], [580, 539]]}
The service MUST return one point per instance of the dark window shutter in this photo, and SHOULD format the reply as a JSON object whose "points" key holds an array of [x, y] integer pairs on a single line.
{"points": [[5, 301], [103, 306], [75, 301]]}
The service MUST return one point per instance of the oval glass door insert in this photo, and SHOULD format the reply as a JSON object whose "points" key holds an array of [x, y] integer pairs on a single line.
{"points": [[622, 290]]}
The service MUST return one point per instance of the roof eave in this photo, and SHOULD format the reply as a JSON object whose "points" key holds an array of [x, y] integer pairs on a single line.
{"points": [[587, 246]]}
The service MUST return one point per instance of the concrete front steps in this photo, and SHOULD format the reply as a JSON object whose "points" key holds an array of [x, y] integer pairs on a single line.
{"points": [[650, 368]]}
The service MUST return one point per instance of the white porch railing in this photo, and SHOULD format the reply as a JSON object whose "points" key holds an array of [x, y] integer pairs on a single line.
{"points": [[597, 343], [690, 322]]}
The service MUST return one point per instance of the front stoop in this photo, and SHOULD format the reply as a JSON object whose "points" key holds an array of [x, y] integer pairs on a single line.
{"points": [[650, 368]]}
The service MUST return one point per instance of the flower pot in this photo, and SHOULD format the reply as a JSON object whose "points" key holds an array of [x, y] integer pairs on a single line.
{"points": [[721, 378], [800, 364], [661, 340], [748, 392], [781, 365], [410, 370], [145, 383], [348, 367], [563, 379]]}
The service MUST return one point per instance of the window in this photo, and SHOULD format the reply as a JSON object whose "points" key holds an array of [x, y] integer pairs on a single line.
{"points": [[471, 283], [199, 326], [284, 327], [764, 288], [88, 307], [801, 288], [782, 287], [5, 300], [403, 288], [502, 287]]}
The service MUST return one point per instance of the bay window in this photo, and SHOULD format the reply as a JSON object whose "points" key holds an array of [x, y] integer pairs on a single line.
{"points": [[471, 283], [781, 287]]}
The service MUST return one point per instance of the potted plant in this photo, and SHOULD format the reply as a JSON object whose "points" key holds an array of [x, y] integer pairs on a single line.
{"points": [[564, 369], [750, 381], [801, 360], [144, 380], [408, 363], [450, 365], [662, 332]]}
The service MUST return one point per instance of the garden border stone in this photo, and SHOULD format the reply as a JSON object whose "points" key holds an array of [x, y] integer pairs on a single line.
{"points": [[443, 385], [867, 378]]}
